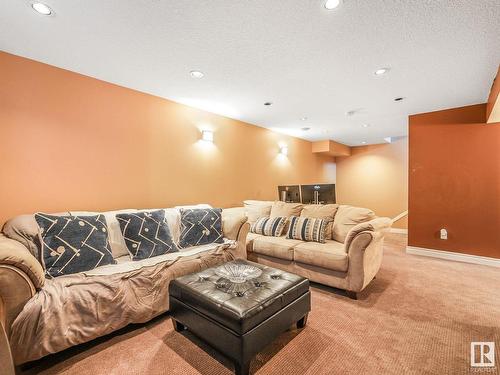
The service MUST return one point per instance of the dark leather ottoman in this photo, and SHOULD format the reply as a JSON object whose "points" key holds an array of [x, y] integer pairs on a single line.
{"points": [[239, 322]]}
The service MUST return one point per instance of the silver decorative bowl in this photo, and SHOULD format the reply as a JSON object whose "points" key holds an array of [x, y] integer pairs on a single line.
{"points": [[238, 273]]}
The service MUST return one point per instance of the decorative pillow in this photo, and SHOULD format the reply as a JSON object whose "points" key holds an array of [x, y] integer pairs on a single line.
{"points": [[146, 234], [321, 211], [346, 218], [115, 237], [201, 226], [72, 244], [269, 226], [307, 229]]}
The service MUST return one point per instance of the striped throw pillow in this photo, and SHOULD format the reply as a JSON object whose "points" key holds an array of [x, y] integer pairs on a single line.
{"points": [[307, 229], [269, 226]]}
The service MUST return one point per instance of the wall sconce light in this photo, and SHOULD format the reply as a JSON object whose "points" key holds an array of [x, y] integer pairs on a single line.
{"points": [[284, 150], [207, 135]]}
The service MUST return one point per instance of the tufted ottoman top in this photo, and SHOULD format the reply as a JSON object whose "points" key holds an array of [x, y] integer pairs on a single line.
{"points": [[244, 307]]}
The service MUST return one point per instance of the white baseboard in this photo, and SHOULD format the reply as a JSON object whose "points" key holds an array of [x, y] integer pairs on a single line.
{"points": [[457, 257], [399, 230]]}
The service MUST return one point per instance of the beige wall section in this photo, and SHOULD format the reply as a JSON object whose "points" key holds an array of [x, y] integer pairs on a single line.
{"points": [[70, 142], [376, 176]]}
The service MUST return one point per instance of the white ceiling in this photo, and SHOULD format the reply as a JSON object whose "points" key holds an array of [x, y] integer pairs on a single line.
{"points": [[306, 60]]}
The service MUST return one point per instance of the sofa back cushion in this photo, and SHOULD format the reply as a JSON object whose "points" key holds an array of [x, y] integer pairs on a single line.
{"points": [[284, 209], [72, 244], [307, 229], [321, 211], [146, 234], [346, 218], [268, 226], [200, 226], [255, 210]]}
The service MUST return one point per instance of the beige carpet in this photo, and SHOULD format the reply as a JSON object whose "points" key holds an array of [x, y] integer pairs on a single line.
{"points": [[418, 317]]}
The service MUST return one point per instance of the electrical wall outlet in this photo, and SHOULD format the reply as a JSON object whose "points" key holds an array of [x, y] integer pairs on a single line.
{"points": [[443, 234]]}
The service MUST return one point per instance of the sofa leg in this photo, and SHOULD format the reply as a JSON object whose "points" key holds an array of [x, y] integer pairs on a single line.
{"points": [[302, 322], [351, 294], [179, 327]]}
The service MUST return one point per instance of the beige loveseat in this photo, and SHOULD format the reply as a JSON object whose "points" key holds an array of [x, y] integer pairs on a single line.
{"points": [[349, 259], [43, 316]]}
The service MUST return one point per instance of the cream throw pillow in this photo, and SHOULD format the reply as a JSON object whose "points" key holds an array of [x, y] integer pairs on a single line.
{"points": [[284, 209], [346, 218], [254, 209]]}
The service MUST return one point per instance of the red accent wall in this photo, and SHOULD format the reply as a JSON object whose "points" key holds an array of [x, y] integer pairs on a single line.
{"points": [[454, 181]]}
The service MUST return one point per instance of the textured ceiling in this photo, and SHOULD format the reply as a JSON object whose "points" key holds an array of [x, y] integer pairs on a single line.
{"points": [[306, 60]]}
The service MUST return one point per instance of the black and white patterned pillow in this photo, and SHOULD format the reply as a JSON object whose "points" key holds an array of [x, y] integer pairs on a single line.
{"points": [[269, 226], [72, 244], [146, 234], [201, 226], [307, 229]]}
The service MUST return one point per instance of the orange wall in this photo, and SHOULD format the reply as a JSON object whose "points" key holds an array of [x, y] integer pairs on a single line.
{"points": [[376, 176], [68, 141], [454, 181]]}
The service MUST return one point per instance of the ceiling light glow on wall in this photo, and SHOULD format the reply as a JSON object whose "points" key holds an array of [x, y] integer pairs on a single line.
{"points": [[207, 135], [381, 71], [196, 74], [332, 4], [284, 150], [42, 8]]}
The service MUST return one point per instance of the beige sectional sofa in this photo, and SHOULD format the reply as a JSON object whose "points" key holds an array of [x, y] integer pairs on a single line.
{"points": [[349, 259], [43, 316]]}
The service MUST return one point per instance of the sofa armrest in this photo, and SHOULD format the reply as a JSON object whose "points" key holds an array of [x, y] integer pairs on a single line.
{"points": [[232, 220], [365, 258], [379, 224], [15, 254], [240, 252], [20, 277], [6, 362]]}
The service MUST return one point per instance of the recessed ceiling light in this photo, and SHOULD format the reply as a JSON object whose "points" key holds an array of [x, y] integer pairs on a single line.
{"points": [[303, 118], [42, 8], [332, 4], [365, 125], [363, 143], [306, 128], [196, 74], [381, 71], [399, 99], [268, 103]]}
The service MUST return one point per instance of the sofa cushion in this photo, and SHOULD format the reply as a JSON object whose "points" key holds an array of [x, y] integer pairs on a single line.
{"points": [[254, 209], [346, 218], [321, 211], [278, 247], [307, 229], [146, 234], [73, 244], [286, 209], [269, 226], [330, 255], [200, 226]]}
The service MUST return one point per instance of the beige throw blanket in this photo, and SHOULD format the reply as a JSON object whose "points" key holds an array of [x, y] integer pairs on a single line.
{"points": [[74, 309]]}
